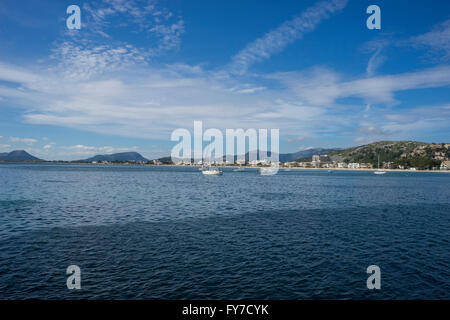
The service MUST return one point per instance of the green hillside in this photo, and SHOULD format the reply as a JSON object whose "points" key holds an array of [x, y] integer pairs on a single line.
{"points": [[399, 153]]}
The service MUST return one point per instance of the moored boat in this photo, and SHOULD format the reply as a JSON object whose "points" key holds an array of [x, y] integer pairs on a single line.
{"points": [[379, 171], [212, 172], [268, 171]]}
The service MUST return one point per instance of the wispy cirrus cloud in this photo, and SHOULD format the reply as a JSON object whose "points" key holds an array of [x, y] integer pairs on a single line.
{"points": [[83, 61], [437, 41], [138, 15], [377, 58], [101, 46], [290, 31]]}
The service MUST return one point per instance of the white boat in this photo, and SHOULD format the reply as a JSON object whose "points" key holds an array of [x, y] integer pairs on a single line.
{"points": [[268, 171], [379, 171], [240, 169], [212, 172]]}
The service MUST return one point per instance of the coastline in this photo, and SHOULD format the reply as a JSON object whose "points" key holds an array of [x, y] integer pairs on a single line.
{"points": [[322, 169], [221, 166]]}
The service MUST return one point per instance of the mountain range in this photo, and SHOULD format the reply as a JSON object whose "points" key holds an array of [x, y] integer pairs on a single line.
{"points": [[401, 152], [283, 157], [117, 157]]}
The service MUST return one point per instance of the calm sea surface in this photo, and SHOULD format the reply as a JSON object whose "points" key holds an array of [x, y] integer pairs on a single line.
{"points": [[172, 233]]}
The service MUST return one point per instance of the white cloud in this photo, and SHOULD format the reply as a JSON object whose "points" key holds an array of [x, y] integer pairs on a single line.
{"points": [[321, 86], [16, 75], [437, 40], [49, 146], [397, 125], [377, 57], [151, 102], [28, 141], [247, 88], [82, 149], [163, 28], [290, 31], [82, 62], [102, 45], [169, 35]]}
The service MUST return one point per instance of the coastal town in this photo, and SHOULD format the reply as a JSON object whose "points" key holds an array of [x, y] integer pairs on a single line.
{"points": [[323, 161], [317, 162]]}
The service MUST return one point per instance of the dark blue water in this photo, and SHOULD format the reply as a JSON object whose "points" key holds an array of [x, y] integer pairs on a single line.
{"points": [[172, 233]]}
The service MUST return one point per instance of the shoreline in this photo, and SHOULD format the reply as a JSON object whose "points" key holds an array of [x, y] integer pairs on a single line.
{"points": [[322, 169], [220, 166], [368, 169]]}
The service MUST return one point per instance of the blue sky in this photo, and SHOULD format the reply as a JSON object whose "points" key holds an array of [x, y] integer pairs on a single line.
{"points": [[137, 70]]}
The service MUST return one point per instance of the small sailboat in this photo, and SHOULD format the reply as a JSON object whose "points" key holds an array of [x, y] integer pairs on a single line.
{"points": [[239, 169], [212, 172], [379, 171]]}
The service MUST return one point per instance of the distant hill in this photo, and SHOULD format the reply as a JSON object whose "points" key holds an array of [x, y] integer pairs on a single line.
{"points": [[283, 157], [118, 157], [405, 153], [165, 160], [18, 155], [287, 157]]}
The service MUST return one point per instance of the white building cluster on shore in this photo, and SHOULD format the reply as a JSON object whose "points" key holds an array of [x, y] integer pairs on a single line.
{"points": [[323, 161]]}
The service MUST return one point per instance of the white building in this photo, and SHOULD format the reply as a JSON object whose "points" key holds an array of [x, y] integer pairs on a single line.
{"points": [[445, 165], [353, 165], [315, 161], [342, 165]]}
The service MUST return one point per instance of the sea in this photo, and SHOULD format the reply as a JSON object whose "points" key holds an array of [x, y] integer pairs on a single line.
{"points": [[166, 232]]}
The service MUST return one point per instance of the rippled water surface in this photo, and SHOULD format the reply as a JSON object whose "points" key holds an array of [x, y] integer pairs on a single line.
{"points": [[172, 233]]}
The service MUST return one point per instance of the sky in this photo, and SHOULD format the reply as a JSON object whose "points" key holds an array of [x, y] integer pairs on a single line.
{"points": [[137, 70]]}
